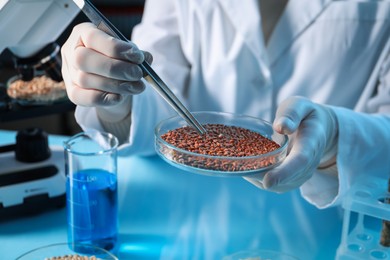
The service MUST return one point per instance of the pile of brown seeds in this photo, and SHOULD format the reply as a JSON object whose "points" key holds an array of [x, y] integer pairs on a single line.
{"points": [[221, 140]]}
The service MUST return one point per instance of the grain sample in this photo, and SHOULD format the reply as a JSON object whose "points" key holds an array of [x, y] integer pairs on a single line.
{"points": [[40, 89], [221, 141]]}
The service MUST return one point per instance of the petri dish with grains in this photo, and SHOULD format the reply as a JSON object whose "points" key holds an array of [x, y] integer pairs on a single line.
{"points": [[41, 90], [234, 145]]}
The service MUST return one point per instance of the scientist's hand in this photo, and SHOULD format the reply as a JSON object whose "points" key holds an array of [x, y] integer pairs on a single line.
{"points": [[101, 71], [313, 133]]}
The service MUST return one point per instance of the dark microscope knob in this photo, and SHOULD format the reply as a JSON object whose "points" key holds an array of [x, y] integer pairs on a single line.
{"points": [[32, 145]]}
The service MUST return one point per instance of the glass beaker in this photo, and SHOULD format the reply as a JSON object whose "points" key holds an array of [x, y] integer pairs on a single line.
{"points": [[91, 189]]}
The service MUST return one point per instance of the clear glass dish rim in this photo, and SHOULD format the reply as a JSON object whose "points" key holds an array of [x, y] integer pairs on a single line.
{"points": [[90, 133], [236, 116], [65, 244], [257, 253]]}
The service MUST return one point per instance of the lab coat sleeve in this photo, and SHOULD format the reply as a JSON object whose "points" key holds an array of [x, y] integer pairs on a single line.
{"points": [[363, 146], [363, 150], [87, 118]]}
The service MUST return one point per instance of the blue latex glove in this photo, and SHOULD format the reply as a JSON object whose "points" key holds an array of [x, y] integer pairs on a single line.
{"points": [[313, 133]]}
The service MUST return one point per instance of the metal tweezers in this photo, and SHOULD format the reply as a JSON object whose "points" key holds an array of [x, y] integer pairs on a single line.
{"points": [[105, 25]]}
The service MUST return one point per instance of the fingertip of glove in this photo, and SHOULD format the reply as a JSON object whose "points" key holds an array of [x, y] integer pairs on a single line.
{"points": [[134, 55], [133, 87], [284, 125], [148, 57]]}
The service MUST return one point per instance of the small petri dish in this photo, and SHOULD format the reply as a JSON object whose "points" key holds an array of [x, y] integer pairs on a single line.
{"points": [[221, 166], [67, 251], [40, 91], [259, 255]]}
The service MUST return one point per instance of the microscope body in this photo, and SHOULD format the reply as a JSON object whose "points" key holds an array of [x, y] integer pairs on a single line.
{"points": [[29, 29]]}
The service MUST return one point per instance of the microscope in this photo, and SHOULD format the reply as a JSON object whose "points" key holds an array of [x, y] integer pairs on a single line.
{"points": [[32, 173], [29, 30]]}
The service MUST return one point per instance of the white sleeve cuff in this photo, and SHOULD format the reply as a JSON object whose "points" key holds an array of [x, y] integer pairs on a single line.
{"points": [[120, 129], [322, 189]]}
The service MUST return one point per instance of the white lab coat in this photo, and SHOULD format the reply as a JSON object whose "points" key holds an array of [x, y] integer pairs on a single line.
{"points": [[211, 53]]}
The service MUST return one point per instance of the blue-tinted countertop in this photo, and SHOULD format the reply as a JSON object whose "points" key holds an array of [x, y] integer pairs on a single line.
{"points": [[166, 213]]}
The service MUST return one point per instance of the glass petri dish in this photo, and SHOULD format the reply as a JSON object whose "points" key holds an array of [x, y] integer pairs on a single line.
{"points": [[40, 91], [56, 251], [221, 166], [259, 255]]}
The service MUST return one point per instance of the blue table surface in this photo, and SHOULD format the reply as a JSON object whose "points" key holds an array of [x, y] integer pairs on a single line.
{"points": [[166, 213]]}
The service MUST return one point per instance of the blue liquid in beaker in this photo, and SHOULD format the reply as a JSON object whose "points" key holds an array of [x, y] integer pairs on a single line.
{"points": [[92, 208]]}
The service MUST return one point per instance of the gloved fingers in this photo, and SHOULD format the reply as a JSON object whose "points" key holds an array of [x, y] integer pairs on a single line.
{"points": [[148, 57], [98, 69], [312, 127], [290, 114], [65, 70], [94, 38], [94, 81], [90, 50], [300, 113], [283, 179], [255, 182], [98, 90], [91, 61], [296, 169], [92, 97], [307, 146]]}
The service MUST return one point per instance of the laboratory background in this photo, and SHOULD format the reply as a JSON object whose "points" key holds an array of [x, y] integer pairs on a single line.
{"points": [[152, 208], [124, 14]]}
